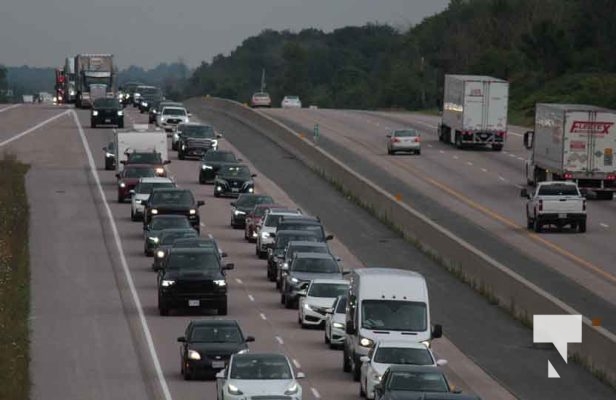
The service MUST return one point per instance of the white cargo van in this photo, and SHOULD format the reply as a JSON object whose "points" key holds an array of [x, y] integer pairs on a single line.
{"points": [[385, 303]]}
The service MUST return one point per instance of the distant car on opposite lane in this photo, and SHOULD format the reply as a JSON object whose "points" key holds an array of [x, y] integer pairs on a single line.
{"points": [[260, 99], [291, 102]]}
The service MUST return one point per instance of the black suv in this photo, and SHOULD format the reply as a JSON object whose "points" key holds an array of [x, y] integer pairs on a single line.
{"points": [[195, 140], [211, 163], [173, 201], [207, 346], [233, 179], [276, 253], [107, 111], [149, 96], [192, 278]]}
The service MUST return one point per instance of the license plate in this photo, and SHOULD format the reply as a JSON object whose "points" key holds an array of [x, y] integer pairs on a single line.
{"points": [[218, 364], [193, 303], [562, 216], [235, 190], [107, 120]]}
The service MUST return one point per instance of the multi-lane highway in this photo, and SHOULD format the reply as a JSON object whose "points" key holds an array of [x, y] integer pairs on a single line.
{"points": [[96, 332]]}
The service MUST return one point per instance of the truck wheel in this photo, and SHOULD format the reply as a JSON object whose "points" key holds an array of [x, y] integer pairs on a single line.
{"points": [[346, 365], [497, 147], [458, 141], [121, 124], [529, 223], [582, 226], [181, 155], [537, 225], [92, 124]]}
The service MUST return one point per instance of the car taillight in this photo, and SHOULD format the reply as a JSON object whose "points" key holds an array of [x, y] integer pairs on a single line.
{"points": [[611, 177], [395, 140], [540, 205], [568, 175], [417, 139]]}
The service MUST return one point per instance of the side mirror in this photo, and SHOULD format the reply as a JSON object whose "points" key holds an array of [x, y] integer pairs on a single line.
{"points": [[189, 114], [123, 162], [441, 363], [223, 255], [132, 191], [329, 237], [254, 175], [437, 331], [524, 193], [220, 374], [219, 136], [182, 339], [455, 390], [138, 201], [239, 159], [329, 311], [229, 266], [338, 259], [388, 135], [364, 359], [105, 148], [249, 339], [272, 235], [300, 375], [167, 162], [200, 203]]}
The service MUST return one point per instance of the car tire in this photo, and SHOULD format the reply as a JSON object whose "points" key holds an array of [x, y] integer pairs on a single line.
{"points": [[529, 223], [282, 298], [325, 338], [418, 152], [201, 181], [582, 226], [188, 376], [537, 225], [92, 125], [133, 216], [356, 371], [389, 152], [346, 364], [262, 254], [163, 311], [362, 393], [278, 284], [497, 147], [181, 155], [222, 310], [121, 125], [216, 194], [120, 199]]}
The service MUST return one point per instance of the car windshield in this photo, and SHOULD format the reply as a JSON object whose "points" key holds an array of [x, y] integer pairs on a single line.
{"points": [[196, 261], [144, 158], [394, 315], [147, 187], [224, 156], [216, 334], [168, 238], [307, 249], [272, 220], [328, 290], [260, 367], [558, 190], [282, 240], [406, 133], [315, 265], [293, 98], [182, 198], [341, 307], [150, 92], [106, 103], [418, 382], [169, 223], [236, 171], [198, 131], [174, 111], [403, 355], [139, 172], [316, 229], [251, 200]]}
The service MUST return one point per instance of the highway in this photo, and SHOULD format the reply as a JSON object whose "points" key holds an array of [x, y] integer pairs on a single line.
{"points": [[482, 187], [96, 328]]}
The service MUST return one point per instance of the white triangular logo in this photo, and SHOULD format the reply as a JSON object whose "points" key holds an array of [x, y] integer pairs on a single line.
{"points": [[552, 371]]}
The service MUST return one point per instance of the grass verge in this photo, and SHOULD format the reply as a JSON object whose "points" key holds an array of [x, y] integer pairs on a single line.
{"points": [[14, 281]]}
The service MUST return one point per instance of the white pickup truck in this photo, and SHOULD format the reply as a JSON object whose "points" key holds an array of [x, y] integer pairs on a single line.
{"points": [[556, 203]]}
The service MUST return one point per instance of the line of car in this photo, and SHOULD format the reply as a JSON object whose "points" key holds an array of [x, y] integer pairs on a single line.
{"points": [[380, 317]]}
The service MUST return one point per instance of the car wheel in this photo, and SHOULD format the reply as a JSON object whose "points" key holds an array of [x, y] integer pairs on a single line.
{"points": [[216, 194], [188, 376], [277, 284], [222, 310], [133, 216], [582, 226], [529, 223], [362, 392], [201, 181], [418, 152], [120, 199], [458, 141], [181, 155], [288, 302], [92, 124], [325, 338], [121, 125], [356, 371], [346, 364], [390, 152], [262, 254], [282, 299], [497, 147], [537, 225]]}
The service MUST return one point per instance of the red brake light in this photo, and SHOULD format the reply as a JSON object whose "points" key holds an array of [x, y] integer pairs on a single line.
{"points": [[568, 175], [417, 139], [611, 177], [540, 205], [396, 140]]}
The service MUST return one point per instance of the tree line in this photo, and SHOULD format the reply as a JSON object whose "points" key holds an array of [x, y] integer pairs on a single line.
{"points": [[549, 50]]}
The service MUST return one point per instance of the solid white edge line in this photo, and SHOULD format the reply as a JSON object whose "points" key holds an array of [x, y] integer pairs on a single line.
{"points": [[251, 298], [9, 107], [263, 317], [35, 127], [129, 278], [315, 393], [279, 340], [484, 170]]}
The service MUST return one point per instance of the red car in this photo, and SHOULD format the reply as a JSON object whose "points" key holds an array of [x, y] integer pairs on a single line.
{"points": [[253, 218], [129, 177]]}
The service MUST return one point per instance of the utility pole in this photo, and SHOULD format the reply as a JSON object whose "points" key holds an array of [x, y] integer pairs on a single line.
{"points": [[263, 80]]}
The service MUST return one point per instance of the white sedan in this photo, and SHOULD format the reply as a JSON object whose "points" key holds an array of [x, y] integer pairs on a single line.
{"points": [[319, 300], [141, 194], [291, 102], [258, 374], [335, 323], [387, 353]]}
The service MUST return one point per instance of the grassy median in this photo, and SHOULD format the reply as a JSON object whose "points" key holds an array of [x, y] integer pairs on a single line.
{"points": [[14, 281]]}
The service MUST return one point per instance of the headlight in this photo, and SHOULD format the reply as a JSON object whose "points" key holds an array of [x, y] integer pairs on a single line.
{"points": [[94, 113], [109, 155], [160, 171], [365, 342], [193, 355], [219, 188], [338, 325], [160, 254], [72, 92], [251, 189], [306, 305], [292, 389], [145, 104], [154, 211], [183, 147], [122, 184], [167, 283], [427, 343], [220, 282], [206, 167], [176, 136], [120, 113], [193, 212], [232, 389], [238, 212], [294, 280], [264, 235], [154, 239]]}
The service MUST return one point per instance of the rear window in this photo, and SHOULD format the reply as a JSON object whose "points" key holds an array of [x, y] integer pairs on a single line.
{"points": [[406, 133], [558, 190]]}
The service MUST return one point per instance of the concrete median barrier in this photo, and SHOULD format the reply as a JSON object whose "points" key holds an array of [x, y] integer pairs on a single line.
{"points": [[498, 282]]}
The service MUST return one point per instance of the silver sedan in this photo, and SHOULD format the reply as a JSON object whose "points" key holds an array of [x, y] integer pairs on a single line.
{"points": [[404, 140]]}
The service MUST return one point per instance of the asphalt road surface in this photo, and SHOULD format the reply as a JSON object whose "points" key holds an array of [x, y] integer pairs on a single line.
{"points": [[91, 339]]}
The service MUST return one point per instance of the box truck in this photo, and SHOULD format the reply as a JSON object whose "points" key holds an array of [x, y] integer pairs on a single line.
{"points": [[474, 111], [573, 142]]}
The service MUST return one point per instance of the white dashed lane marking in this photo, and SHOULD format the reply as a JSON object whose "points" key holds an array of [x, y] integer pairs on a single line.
{"points": [[315, 393], [604, 225], [279, 340], [238, 280], [484, 170]]}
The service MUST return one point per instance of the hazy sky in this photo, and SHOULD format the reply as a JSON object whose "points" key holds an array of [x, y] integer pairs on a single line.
{"points": [[148, 32]]}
